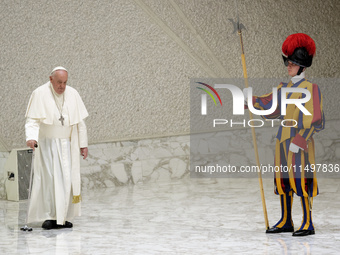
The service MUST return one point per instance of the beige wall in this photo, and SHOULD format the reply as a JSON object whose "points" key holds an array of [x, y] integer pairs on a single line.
{"points": [[131, 60]]}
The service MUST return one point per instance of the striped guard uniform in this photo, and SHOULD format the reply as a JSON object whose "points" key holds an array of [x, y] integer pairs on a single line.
{"points": [[299, 178]]}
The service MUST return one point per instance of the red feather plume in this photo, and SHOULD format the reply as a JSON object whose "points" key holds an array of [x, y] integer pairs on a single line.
{"points": [[298, 40]]}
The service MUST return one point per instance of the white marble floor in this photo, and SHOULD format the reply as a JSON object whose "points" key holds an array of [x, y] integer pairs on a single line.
{"points": [[192, 216]]}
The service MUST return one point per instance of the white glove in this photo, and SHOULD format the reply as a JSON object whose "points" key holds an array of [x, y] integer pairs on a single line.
{"points": [[294, 148]]}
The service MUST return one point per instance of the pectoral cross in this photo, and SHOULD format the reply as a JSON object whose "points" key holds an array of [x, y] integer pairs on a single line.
{"points": [[62, 120]]}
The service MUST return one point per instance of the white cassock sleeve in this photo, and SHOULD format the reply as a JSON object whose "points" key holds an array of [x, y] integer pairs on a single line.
{"points": [[82, 133], [32, 129]]}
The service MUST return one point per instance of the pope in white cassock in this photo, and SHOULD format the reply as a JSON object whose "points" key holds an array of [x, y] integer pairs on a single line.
{"points": [[55, 119]]}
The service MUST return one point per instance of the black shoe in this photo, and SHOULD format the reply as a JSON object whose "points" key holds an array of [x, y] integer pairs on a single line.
{"points": [[275, 230], [66, 225], [49, 224], [304, 232]]}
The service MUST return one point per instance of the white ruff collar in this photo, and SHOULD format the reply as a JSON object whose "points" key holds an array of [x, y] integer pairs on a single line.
{"points": [[298, 78]]}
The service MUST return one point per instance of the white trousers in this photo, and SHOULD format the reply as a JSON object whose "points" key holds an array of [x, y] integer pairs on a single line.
{"points": [[51, 196]]}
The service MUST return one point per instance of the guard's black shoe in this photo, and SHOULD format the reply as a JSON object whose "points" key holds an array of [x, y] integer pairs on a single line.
{"points": [[49, 224], [275, 230], [304, 232], [66, 225]]}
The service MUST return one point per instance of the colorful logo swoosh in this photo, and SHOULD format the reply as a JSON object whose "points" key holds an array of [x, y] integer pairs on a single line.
{"points": [[209, 93]]}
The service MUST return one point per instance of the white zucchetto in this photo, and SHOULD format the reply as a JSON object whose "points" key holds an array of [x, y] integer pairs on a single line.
{"points": [[58, 68]]}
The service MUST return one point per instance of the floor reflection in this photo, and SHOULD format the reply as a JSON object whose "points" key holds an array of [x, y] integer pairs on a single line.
{"points": [[193, 216]]}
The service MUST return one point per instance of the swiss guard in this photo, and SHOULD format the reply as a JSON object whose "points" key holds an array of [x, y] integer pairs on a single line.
{"points": [[294, 152]]}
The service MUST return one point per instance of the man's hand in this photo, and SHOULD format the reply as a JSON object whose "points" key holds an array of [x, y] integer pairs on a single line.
{"points": [[32, 144], [84, 152]]}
